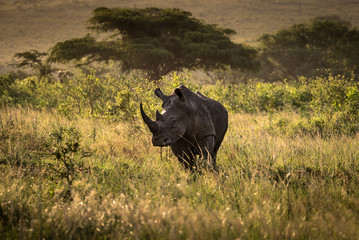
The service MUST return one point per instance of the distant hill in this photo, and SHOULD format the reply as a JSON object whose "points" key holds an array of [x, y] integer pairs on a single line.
{"points": [[39, 24]]}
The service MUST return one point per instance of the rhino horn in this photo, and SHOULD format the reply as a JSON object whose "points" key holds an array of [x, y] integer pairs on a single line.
{"points": [[159, 116], [152, 125], [160, 94]]}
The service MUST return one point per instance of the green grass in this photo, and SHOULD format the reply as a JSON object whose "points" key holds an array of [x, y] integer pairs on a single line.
{"points": [[270, 185]]}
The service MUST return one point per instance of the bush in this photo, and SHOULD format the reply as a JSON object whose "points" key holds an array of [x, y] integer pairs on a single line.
{"points": [[65, 145], [326, 105], [291, 183], [9, 92]]}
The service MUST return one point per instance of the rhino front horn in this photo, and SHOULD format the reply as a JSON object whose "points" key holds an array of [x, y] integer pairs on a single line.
{"points": [[152, 125]]}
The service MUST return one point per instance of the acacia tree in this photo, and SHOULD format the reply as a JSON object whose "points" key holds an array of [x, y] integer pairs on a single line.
{"points": [[156, 41], [309, 49], [35, 60]]}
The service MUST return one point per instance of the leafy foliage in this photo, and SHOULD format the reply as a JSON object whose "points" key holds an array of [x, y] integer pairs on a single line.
{"points": [[157, 41], [35, 60], [6, 82], [77, 48], [65, 146], [309, 49], [325, 105]]}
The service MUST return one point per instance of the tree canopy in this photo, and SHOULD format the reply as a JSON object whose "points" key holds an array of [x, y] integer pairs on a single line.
{"points": [[308, 49], [35, 60], [156, 41]]}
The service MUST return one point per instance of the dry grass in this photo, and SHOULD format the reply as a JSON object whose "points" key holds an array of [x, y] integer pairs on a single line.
{"points": [[269, 186]]}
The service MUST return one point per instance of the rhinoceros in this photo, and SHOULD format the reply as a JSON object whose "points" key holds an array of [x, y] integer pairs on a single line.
{"points": [[191, 124]]}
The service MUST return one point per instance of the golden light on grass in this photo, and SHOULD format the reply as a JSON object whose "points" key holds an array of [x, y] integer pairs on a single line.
{"points": [[269, 185]]}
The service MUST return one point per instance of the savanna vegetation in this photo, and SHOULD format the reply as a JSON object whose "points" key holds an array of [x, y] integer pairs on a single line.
{"points": [[309, 49], [157, 42], [40, 24], [76, 161]]}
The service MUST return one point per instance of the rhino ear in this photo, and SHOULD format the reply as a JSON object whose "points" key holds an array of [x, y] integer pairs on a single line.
{"points": [[179, 93], [160, 94]]}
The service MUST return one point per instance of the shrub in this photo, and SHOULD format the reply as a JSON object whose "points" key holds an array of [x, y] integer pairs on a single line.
{"points": [[328, 105], [65, 146]]}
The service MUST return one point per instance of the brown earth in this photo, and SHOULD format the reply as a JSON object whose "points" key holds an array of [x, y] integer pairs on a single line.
{"points": [[39, 24]]}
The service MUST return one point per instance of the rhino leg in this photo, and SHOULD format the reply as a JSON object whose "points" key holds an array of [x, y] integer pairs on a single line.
{"points": [[186, 161], [185, 156], [186, 153], [207, 150]]}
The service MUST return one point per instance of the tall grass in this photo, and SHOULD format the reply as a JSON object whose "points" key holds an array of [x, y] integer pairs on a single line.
{"points": [[270, 185]]}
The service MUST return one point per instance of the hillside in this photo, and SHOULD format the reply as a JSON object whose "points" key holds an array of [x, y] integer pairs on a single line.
{"points": [[39, 24]]}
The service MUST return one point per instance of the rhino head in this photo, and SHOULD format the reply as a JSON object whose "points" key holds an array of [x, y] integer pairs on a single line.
{"points": [[172, 124]]}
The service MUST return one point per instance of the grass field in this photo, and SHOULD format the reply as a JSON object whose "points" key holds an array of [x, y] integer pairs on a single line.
{"points": [[76, 160], [71, 176], [40, 24], [268, 186]]}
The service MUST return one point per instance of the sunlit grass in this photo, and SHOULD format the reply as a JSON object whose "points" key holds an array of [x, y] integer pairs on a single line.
{"points": [[269, 185]]}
